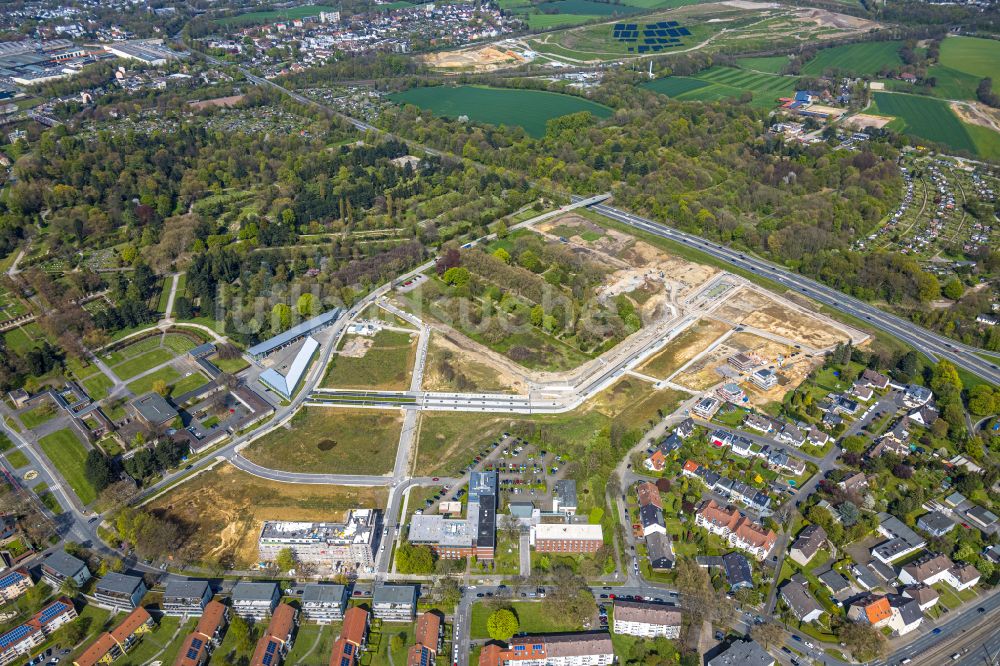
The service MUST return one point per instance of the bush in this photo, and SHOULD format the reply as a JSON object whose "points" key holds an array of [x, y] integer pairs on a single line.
{"points": [[502, 625]]}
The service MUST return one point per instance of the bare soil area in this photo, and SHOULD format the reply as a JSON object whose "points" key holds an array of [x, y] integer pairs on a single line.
{"points": [[683, 348], [221, 511], [453, 367], [978, 114], [859, 121], [752, 307], [356, 346], [477, 59]]}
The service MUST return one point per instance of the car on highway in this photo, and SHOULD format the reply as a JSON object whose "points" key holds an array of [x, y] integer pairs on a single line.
{"points": [[936, 631]]}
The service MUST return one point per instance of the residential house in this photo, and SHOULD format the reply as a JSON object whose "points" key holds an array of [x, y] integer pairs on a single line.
{"points": [[207, 635], [866, 577], [983, 519], [117, 642], [845, 405], [706, 407], [648, 494], [935, 523], [925, 595], [739, 575], [186, 597], [791, 434], [59, 566], [834, 582], [817, 437], [871, 609], [119, 591], [278, 637], [656, 462], [906, 614], [646, 620], [353, 638], [902, 541], [758, 422], [651, 520], [721, 438], [255, 600], [429, 636], [324, 603], [743, 653], [862, 392], [795, 594], [579, 649], [808, 543], [764, 378], [731, 392], [874, 379], [855, 483], [660, 551], [739, 530], [924, 415], [685, 428], [928, 570], [963, 576], [883, 571], [742, 447], [916, 396], [744, 362], [395, 603]]}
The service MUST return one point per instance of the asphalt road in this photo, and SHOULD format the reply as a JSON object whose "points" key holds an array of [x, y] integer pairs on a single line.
{"points": [[931, 344]]}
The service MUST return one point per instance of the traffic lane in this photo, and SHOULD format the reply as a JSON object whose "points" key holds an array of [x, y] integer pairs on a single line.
{"points": [[921, 338]]}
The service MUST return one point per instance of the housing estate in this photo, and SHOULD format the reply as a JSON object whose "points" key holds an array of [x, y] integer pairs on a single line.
{"points": [[647, 620], [186, 597], [253, 600], [738, 530], [113, 644], [395, 603], [324, 603], [429, 635], [353, 638], [200, 643], [277, 639], [20, 641], [119, 591], [580, 649]]}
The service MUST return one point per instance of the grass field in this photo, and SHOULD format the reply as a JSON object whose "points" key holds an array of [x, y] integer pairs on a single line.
{"points": [[767, 64], [529, 109], [331, 440], [253, 18], [385, 365], [17, 459], [726, 82], [145, 384], [925, 117], [69, 455], [972, 55], [586, 7], [23, 338], [863, 59], [313, 643], [189, 383], [533, 617], [222, 510], [38, 415], [142, 363]]}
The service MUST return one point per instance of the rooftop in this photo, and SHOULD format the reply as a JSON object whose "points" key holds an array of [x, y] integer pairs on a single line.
{"points": [[743, 653], [395, 594], [118, 583], [638, 611], [359, 527], [154, 408], [254, 591], [323, 593], [285, 384], [583, 532], [297, 331], [185, 589]]}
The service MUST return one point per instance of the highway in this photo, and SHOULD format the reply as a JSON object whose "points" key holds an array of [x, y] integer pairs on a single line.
{"points": [[931, 344]]}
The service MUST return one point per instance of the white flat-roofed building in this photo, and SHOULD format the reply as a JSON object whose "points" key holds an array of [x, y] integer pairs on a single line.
{"points": [[347, 545], [285, 384], [324, 603], [563, 538], [186, 597], [764, 378], [636, 618]]}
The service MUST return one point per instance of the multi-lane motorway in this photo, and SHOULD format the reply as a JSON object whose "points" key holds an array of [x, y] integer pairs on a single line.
{"points": [[933, 345]]}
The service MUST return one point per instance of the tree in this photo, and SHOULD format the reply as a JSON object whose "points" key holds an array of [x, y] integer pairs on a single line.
{"points": [[855, 443], [768, 633], [285, 559], [69, 588], [397, 641], [412, 559], [502, 625], [161, 387], [983, 401], [449, 592], [502, 254], [953, 289], [97, 468], [281, 317], [456, 276], [306, 305], [866, 642], [242, 634]]}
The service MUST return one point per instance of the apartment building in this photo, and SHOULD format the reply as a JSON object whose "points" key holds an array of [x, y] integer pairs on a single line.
{"points": [[808, 543], [580, 649], [646, 620], [113, 644], [738, 530], [323, 603], [563, 538], [353, 638], [277, 639], [429, 636], [395, 603], [200, 643], [59, 566], [186, 597], [119, 591], [13, 584], [343, 546], [252, 600], [23, 639]]}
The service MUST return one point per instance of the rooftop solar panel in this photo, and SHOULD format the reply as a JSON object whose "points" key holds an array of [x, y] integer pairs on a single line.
{"points": [[345, 661]]}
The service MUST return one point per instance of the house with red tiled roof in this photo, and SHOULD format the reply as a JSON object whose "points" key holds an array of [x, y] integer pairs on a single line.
{"points": [[353, 638], [117, 642], [739, 531], [870, 609], [428, 640], [277, 639]]}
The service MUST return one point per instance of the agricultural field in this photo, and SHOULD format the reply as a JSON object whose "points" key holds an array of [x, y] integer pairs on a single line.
{"points": [[924, 117], [963, 63], [68, 455], [331, 440], [724, 83], [862, 59], [382, 361], [766, 64], [256, 18], [221, 511], [529, 109]]}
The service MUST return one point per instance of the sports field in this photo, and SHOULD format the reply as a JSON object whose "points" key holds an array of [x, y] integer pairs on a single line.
{"points": [[253, 18], [925, 117], [720, 83], [69, 455], [863, 59], [530, 109]]}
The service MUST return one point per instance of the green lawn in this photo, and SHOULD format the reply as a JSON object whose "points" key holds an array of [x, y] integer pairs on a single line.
{"points": [[165, 639], [972, 55], [17, 459], [385, 365], [313, 644], [863, 59], [97, 386], [181, 344], [20, 339], [274, 15], [230, 365], [189, 383], [46, 497], [69, 455], [331, 439], [530, 109], [720, 83], [768, 64], [533, 616], [142, 363], [38, 415], [145, 384]]}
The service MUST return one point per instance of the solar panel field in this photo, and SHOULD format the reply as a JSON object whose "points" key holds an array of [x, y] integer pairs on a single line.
{"points": [[724, 83]]}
